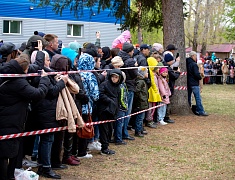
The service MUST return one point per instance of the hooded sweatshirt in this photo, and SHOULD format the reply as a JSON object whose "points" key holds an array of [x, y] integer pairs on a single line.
{"points": [[124, 37], [109, 94], [87, 62]]}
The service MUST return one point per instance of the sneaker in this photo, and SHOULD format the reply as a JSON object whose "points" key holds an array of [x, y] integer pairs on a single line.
{"points": [[139, 134], [87, 156], [144, 132], [163, 123], [120, 143], [129, 138], [28, 163], [151, 125], [107, 152], [93, 146], [203, 114], [169, 121]]}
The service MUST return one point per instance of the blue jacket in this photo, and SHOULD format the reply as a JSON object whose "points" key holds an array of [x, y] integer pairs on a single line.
{"points": [[87, 62]]}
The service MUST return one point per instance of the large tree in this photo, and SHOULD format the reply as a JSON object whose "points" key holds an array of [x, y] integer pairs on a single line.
{"points": [[173, 33]]}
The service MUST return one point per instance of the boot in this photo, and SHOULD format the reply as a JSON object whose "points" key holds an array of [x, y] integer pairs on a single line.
{"points": [[47, 172]]}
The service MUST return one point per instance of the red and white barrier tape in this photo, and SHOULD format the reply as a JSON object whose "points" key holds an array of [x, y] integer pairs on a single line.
{"points": [[10, 136], [180, 87], [66, 72], [183, 73]]}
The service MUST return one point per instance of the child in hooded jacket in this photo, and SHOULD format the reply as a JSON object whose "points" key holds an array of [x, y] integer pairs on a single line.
{"points": [[123, 107], [108, 106], [140, 100], [165, 94]]}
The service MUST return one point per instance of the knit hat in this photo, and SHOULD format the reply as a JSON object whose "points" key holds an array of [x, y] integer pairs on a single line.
{"points": [[127, 47], [144, 46], [91, 52], [69, 53], [107, 53], [171, 47], [7, 48], [157, 46], [74, 46], [142, 71], [163, 70], [42, 34], [117, 61]]}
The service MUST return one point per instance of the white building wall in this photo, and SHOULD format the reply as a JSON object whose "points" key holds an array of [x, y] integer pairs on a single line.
{"points": [[59, 27]]}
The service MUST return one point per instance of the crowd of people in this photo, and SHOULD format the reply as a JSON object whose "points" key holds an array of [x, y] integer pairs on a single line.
{"points": [[216, 70], [110, 83]]}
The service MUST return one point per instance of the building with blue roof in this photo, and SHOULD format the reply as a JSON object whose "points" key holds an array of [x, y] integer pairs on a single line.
{"points": [[20, 18]]}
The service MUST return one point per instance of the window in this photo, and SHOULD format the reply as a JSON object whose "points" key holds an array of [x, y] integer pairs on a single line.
{"points": [[74, 30], [12, 27]]}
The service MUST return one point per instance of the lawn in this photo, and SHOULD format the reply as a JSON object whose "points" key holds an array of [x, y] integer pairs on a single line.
{"points": [[191, 148]]}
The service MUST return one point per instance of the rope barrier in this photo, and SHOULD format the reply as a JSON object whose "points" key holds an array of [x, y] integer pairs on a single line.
{"points": [[31, 133]]}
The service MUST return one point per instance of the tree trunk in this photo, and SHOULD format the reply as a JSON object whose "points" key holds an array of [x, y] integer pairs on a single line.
{"points": [[140, 34], [173, 30], [205, 30], [196, 25]]}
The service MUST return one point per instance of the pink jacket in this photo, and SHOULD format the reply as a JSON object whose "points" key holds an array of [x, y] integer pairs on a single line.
{"points": [[164, 89], [124, 37]]}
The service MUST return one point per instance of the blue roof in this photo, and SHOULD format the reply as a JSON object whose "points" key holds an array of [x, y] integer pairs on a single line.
{"points": [[20, 9]]}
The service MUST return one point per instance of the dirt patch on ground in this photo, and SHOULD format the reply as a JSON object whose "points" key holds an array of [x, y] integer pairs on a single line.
{"points": [[192, 148]]}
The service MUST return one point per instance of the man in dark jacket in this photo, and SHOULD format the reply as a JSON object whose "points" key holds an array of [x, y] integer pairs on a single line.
{"points": [[193, 77], [131, 74], [141, 58], [15, 95]]}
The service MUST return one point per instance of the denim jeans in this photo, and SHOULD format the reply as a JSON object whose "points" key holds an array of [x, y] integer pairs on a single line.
{"points": [[118, 127], [139, 122], [126, 120], [35, 147], [161, 112], [44, 150], [196, 92]]}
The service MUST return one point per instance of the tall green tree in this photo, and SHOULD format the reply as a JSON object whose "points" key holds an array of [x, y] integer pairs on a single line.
{"points": [[143, 15], [230, 20]]}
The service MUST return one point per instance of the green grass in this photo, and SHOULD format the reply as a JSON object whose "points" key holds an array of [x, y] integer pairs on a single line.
{"points": [[219, 99]]}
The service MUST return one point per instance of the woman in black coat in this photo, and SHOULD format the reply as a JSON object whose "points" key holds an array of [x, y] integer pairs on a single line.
{"points": [[44, 112], [15, 95]]}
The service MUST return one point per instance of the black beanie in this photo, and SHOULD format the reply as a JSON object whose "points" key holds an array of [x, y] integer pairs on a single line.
{"points": [[7, 48], [127, 47], [92, 52]]}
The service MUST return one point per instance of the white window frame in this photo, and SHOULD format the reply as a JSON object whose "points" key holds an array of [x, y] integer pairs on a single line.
{"points": [[9, 21], [71, 35]]}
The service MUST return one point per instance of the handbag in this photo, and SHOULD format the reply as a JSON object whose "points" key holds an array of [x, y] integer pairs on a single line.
{"points": [[87, 132]]}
